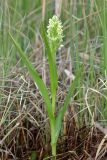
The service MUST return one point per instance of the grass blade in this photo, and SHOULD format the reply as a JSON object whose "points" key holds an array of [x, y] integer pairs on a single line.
{"points": [[105, 35], [39, 82], [66, 103], [52, 66]]}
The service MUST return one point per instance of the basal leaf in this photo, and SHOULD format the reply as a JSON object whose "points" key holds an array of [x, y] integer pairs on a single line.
{"points": [[34, 74], [52, 64], [66, 103]]}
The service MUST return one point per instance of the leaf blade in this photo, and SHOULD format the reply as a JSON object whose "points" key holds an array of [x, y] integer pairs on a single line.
{"points": [[34, 74], [52, 65], [66, 102]]}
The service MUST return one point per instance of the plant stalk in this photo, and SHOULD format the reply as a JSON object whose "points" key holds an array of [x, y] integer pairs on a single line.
{"points": [[53, 104], [53, 142], [54, 151]]}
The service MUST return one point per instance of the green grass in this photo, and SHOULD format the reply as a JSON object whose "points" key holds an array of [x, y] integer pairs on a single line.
{"points": [[85, 34]]}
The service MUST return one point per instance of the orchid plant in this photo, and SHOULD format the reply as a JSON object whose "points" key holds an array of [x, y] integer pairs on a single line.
{"points": [[52, 41]]}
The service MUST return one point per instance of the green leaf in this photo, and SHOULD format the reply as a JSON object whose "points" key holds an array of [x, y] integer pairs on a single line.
{"points": [[66, 103], [52, 66], [39, 82]]}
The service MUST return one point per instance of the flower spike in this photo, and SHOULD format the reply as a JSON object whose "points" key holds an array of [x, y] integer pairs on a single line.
{"points": [[55, 31]]}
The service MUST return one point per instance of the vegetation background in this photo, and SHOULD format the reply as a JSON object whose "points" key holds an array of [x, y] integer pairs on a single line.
{"points": [[24, 127]]}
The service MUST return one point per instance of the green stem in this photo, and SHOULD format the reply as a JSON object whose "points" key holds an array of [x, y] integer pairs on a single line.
{"points": [[53, 143], [54, 151], [53, 104]]}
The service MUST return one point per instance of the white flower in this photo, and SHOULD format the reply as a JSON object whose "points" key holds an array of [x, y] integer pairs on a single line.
{"points": [[55, 31]]}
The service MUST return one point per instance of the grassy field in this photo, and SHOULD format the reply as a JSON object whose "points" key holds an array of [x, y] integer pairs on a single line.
{"points": [[24, 124]]}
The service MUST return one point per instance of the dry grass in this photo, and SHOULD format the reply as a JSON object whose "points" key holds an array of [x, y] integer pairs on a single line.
{"points": [[24, 124]]}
